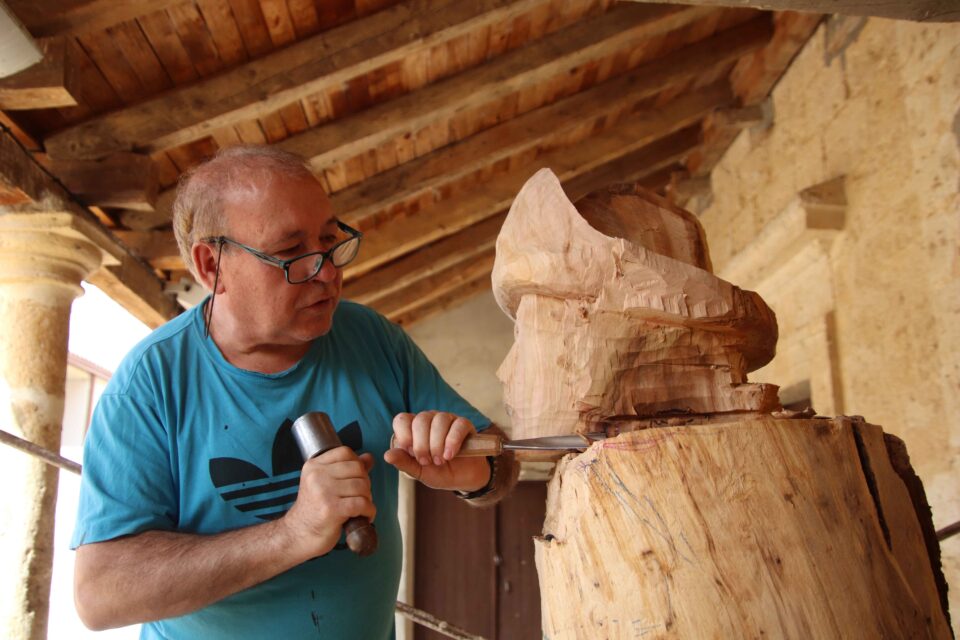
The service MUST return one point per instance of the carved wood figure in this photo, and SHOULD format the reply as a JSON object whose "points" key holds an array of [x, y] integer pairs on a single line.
{"points": [[617, 318], [707, 512]]}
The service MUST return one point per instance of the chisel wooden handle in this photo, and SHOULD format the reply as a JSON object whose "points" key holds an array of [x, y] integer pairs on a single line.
{"points": [[475, 446]]}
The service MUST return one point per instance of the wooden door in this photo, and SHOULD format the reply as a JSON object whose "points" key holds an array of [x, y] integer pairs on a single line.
{"points": [[475, 567]]}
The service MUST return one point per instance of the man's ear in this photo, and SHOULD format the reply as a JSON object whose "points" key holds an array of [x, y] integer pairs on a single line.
{"points": [[204, 256]]}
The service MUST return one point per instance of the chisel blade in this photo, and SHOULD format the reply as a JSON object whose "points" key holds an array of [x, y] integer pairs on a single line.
{"points": [[572, 442]]}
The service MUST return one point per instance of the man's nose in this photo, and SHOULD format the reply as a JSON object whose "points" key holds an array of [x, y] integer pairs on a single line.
{"points": [[327, 273]]}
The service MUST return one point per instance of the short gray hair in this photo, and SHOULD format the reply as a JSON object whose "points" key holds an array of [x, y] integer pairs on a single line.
{"points": [[198, 209]]}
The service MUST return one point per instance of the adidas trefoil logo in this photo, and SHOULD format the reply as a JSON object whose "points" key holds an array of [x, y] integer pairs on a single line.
{"points": [[249, 489]]}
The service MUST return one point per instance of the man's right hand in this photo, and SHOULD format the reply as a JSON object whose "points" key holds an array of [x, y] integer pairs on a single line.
{"points": [[334, 487], [117, 581]]}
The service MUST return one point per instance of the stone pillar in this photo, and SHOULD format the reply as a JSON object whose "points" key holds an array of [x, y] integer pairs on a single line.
{"points": [[40, 274]]}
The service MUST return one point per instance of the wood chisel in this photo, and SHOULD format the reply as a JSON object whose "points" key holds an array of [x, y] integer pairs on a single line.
{"points": [[482, 444]]}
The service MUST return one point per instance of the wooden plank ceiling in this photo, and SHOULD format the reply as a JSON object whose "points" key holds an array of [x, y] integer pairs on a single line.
{"points": [[422, 118]]}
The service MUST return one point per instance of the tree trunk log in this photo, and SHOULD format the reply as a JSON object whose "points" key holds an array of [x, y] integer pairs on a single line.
{"points": [[755, 527]]}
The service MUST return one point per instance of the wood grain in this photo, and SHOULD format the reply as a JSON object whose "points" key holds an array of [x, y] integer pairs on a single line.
{"points": [[618, 316], [48, 18], [265, 84], [751, 528], [555, 54], [52, 82], [125, 278], [425, 226], [123, 180], [919, 10]]}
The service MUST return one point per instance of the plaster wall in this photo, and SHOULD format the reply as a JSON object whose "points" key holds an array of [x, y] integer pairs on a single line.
{"points": [[467, 344], [881, 108]]}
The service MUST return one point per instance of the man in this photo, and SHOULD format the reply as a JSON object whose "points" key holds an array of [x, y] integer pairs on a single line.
{"points": [[195, 514]]}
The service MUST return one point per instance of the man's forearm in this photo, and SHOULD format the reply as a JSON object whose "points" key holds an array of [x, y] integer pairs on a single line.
{"points": [[161, 574]]}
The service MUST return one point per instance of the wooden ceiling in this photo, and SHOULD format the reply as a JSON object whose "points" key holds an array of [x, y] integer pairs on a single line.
{"points": [[421, 118]]}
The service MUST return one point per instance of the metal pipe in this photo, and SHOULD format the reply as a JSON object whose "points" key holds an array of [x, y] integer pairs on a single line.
{"points": [[40, 452]]}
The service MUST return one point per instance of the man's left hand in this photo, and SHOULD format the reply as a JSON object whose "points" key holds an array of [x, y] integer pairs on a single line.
{"points": [[425, 448]]}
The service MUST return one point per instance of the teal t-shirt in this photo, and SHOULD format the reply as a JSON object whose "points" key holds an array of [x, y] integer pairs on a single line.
{"points": [[181, 440]]}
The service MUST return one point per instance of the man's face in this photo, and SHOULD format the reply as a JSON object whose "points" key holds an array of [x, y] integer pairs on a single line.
{"points": [[286, 217]]}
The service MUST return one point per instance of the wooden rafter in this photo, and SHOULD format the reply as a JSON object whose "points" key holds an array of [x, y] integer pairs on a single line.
{"points": [[121, 180], [440, 275], [436, 286], [428, 225], [46, 18], [752, 79], [919, 10], [364, 201], [52, 82], [427, 261], [423, 227], [535, 129], [424, 309], [558, 53], [124, 277], [262, 86]]}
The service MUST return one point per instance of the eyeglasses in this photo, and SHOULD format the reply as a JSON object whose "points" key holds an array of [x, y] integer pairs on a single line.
{"points": [[297, 270], [302, 268]]}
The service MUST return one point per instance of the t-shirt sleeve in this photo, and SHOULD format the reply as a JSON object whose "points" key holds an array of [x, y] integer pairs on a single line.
{"points": [[127, 486], [424, 387]]}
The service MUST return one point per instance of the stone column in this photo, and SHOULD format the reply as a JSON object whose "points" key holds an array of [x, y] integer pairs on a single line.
{"points": [[41, 269]]}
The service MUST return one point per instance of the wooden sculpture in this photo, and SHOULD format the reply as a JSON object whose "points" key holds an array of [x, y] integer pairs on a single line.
{"points": [[618, 315], [707, 512]]}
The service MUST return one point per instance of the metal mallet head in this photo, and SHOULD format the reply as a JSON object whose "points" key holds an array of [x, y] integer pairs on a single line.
{"points": [[315, 434]]}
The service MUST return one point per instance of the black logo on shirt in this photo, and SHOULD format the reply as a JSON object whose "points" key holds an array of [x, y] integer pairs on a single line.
{"points": [[251, 490]]}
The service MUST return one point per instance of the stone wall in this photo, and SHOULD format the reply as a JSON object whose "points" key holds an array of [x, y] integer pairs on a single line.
{"points": [[864, 281]]}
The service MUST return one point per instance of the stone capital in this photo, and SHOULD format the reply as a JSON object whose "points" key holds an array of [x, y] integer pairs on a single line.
{"points": [[44, 262]]}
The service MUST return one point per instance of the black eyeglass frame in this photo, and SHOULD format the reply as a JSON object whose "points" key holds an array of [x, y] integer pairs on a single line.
{"points": [[277, 262], [285, 264]]}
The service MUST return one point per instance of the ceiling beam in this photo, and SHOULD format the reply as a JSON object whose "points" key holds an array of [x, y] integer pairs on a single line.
{"points": [[447, 217], [128, 280], [756, 74], [586, 41], [52, 82], [752, 79], [361, 203], [443, 274], [609, 156], [435, 286], [264, 85], [121, 180], [644, 165], [158, 247], [46, 18], [22, 136], [425, 309], [917, 10], [434, 171], [426, 261], [450, 216]]}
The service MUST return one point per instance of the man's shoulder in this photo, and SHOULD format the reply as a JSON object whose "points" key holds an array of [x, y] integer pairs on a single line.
{"points": [[352, 309], [366, 331], [354, 317], [162, 343]]}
